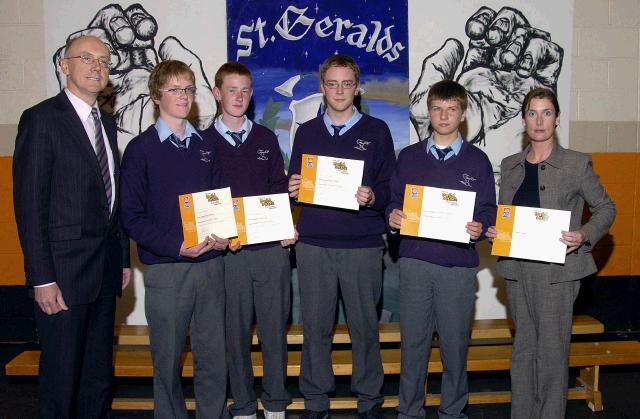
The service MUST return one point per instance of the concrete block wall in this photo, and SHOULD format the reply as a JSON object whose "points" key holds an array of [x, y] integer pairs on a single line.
{"points": [[605, 96], [605, 93]]}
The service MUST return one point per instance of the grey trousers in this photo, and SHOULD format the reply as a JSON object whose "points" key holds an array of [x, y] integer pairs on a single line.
{"points": [[358, 273], [542, 314], [178, 295], [260, 280], [442, 296]]}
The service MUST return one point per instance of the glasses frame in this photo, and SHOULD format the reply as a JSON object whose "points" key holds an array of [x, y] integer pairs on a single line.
{"points": [[90, 60], [177, 91], [330, 84]]}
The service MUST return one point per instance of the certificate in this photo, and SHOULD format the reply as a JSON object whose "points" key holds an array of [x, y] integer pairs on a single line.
{"points": [[531, 233], [436, 213], [264, 218], [205, 213], [330, 181]]}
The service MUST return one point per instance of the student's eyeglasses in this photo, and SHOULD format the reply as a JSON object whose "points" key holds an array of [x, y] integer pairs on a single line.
{"points": [[346, 84], [177, 91], [90, 59]]}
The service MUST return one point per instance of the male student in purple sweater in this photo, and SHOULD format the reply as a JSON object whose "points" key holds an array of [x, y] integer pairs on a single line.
{"points": [[257, 277], [438, 278], [342, 249], [184, 286]]}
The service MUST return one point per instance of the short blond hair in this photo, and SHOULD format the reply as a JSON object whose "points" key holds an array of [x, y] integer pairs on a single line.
{"points": [[165, 71]]}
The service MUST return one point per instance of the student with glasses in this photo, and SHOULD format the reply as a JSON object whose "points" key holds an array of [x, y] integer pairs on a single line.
{"points": [[184, 286], [340, 249]]}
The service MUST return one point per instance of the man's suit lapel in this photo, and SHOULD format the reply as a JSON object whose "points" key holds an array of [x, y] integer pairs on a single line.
{"points": [[75, 130]]}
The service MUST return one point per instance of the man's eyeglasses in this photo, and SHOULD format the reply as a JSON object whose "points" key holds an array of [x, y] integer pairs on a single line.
{"points": [[177, 91], [90, 59], [346, 84]]}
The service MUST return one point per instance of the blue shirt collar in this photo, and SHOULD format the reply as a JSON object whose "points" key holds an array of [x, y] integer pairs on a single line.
{"points": [[347, 125], [164, 132], [456, 145], [222, 129]]}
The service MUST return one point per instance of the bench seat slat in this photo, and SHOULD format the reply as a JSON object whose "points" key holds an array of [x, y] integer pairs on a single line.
{"points": [[480, 358], [389, 332]]}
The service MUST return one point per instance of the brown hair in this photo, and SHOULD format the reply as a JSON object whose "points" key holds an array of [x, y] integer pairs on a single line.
{"points": [[165, 71], [340, 60], [231, 67], [448, 90], [540, 93]]}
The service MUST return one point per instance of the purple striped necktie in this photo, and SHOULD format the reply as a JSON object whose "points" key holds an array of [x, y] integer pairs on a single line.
{"points": [[101, 154]]}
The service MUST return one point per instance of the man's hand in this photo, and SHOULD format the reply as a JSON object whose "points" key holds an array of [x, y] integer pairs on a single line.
{"points": [[474, 229], [573, 239], [505, 59], [365, 196], [294, 185], [395, 218], [49, 299], [126, 277], [289, 242]]}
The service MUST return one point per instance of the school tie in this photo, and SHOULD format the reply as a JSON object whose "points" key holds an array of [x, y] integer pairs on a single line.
{"points": [[236, 137], [182, 145], [336, 130], [101, 154], [442, 152]]}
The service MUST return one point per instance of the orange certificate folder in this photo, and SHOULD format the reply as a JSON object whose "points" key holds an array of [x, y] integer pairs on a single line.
{"points": [[330, 181], [530, 233], [205, 213], [263, 218]]}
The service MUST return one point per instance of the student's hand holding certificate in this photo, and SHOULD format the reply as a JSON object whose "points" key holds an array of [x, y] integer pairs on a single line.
{"points": [[211, 242]]}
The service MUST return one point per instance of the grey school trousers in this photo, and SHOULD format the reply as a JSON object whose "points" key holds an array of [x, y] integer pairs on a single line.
{"points": [[542, 314], [442, 296], [358, 274], [178, 295], [260, 280]]}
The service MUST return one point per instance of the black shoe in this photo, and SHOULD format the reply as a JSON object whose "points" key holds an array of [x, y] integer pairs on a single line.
{"points": [[312, 414], [374, 413]]}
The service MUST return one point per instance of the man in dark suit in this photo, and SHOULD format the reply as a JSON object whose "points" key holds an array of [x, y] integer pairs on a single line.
{"points": [[65, 174]]}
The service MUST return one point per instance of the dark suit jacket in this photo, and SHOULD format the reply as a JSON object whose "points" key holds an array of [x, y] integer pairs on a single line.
{"points": [[566, 181], [66, 232]]}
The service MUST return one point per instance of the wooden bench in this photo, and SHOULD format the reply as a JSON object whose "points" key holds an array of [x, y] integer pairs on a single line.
{"points": [[133, 359]]}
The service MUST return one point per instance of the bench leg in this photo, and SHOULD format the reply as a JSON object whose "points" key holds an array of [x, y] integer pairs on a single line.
{"points": [[589, 379]]}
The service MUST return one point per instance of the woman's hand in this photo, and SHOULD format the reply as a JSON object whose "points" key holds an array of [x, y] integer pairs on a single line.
{"points": [[573, 239]]}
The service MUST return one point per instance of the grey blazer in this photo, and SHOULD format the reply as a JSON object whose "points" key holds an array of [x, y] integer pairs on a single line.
{"points": [[566, 181]]}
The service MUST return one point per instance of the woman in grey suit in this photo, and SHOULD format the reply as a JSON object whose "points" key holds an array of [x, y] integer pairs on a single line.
{"points": [[541, 295]]}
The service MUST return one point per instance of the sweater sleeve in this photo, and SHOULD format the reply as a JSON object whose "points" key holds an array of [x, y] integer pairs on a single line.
{"points": [[386, 160], [485, 207], [133, 206], [396, 189], [278, 181]]}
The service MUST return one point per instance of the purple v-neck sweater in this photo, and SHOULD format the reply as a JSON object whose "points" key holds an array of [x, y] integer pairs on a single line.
{"points": [[254, 168], [470, 170], [153, 174], [369, 140]]}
